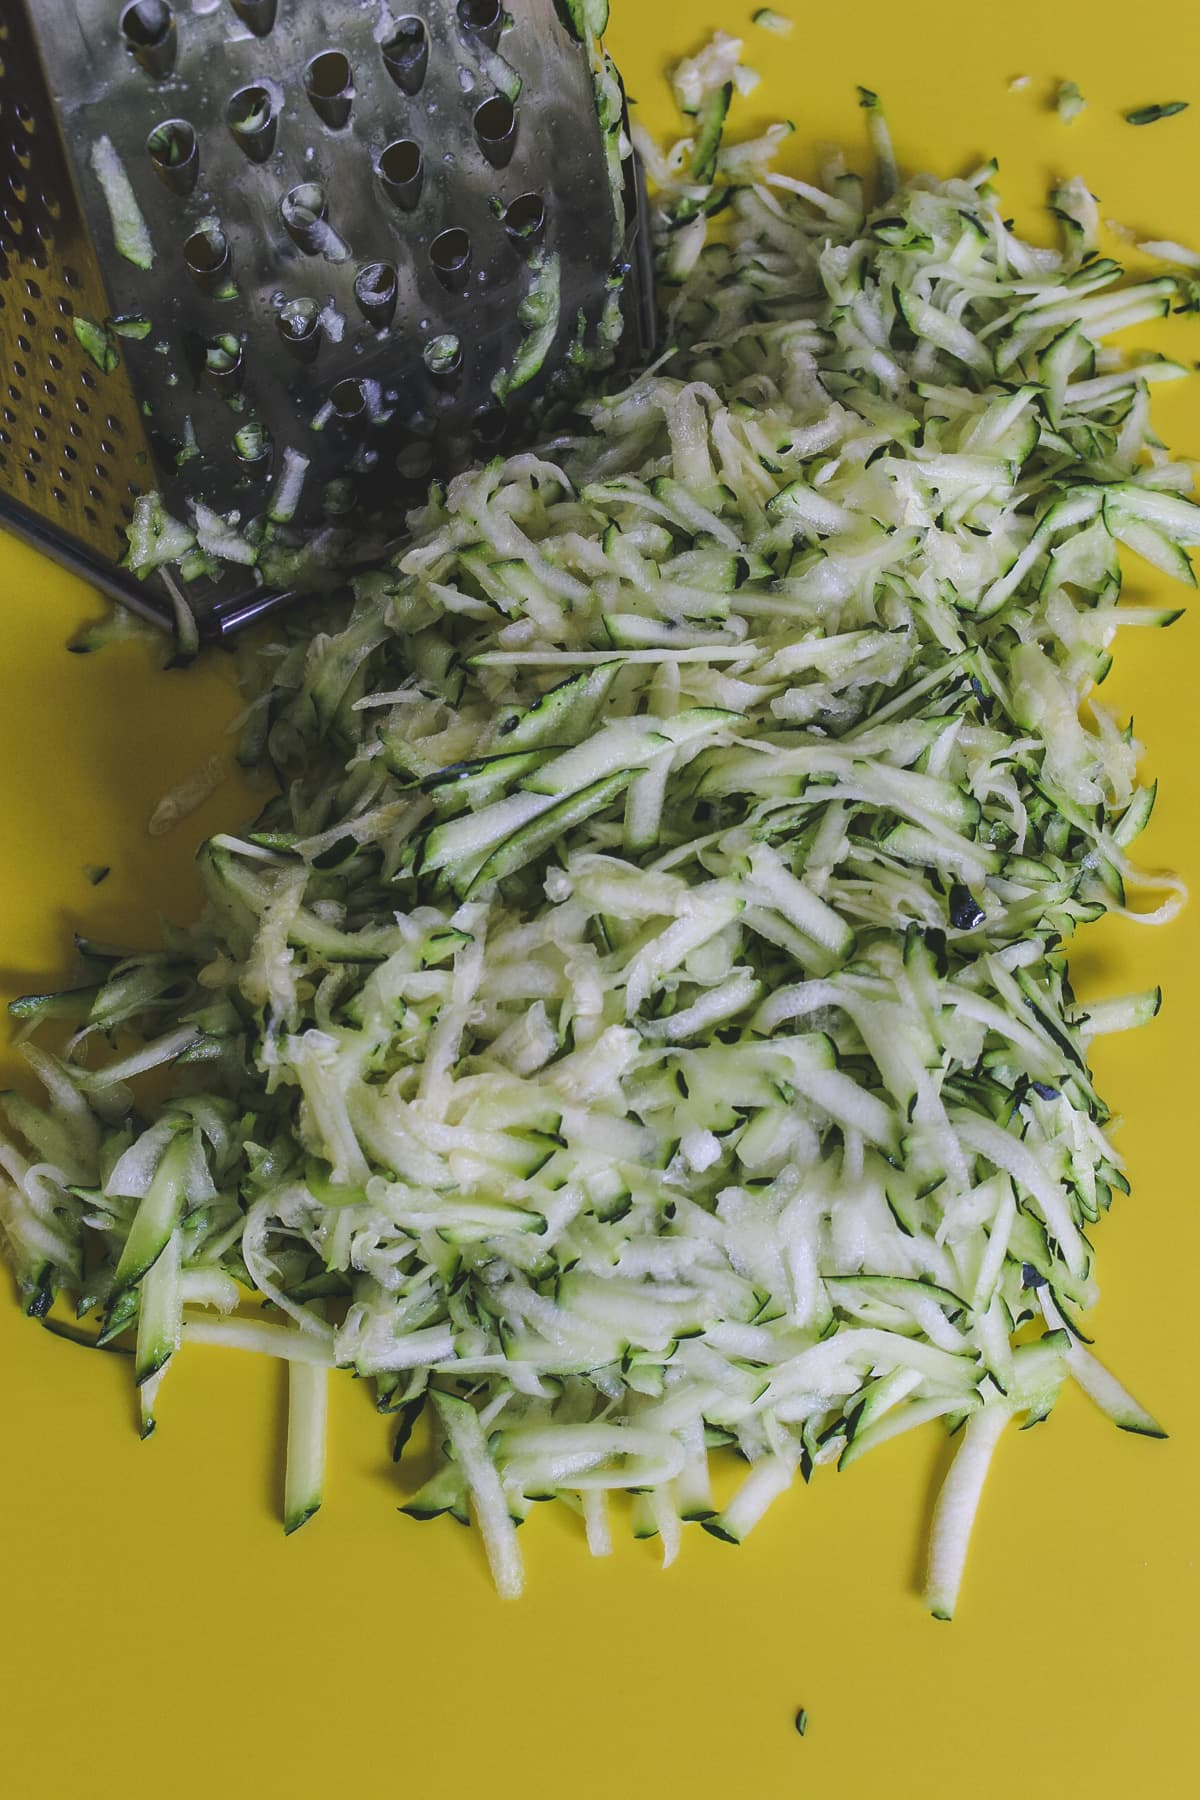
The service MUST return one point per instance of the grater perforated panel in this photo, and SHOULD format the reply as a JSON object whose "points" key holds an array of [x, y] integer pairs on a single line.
{"points": [[73, 455], [352, 220]]}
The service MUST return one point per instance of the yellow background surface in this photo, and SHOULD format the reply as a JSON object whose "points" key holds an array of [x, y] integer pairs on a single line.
{"points": [[160, 1637]]}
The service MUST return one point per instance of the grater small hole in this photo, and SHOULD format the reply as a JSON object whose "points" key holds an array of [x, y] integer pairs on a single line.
{"points": [[49, 388], [55, 362], [172, 149], [375, 289], [39, 436], [402, 171], [91, 515], [253, 118], [72, 277], [148, 27], [75, 429], [496, 130], [329, 84], [81, 406], [450, 254], [206, 254], [349, 401], [69, 450], [303, 211], [406, 54], [33, 290], [299, 326], [30, 477], [483, 18], [59, 495], [18, 369], [257, 15]]}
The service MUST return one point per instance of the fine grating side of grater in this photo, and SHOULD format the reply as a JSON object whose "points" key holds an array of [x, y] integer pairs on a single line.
{"points": [[284, 259]]}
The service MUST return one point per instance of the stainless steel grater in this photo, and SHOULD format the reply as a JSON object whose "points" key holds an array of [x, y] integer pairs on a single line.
{"points": [[298, 248]]}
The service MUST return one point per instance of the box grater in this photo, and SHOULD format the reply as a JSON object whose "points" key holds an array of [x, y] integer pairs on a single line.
{"points": [[248, 241]]}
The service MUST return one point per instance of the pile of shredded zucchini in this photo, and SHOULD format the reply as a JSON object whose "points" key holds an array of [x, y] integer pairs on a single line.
{"points": [[641, 1024]]}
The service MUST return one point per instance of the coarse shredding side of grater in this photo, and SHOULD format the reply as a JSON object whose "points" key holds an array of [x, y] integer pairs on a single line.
{"points": [[284, 259]]}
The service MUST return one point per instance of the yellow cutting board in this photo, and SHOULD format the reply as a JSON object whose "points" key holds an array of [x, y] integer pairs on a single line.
{"points": [[160, 1639]]}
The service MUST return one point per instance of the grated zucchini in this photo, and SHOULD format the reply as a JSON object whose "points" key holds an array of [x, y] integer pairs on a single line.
{"points": [[640, 1020]]}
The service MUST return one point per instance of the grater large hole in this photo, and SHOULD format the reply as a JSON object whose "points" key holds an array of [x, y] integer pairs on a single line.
{"points": [[299, 327], [172, 149], [257, 15], [496, 130], [450, 253], [484, 18], [148, 27], [525, 219], [489, 426], [415, 462], [253, 118], [206, 254], [329, 84], [349, 400], [252, 446], [402, 171], [406, 54], [339, 497], [303, 210], [224, 365], [443, 358], [375, 290]]}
